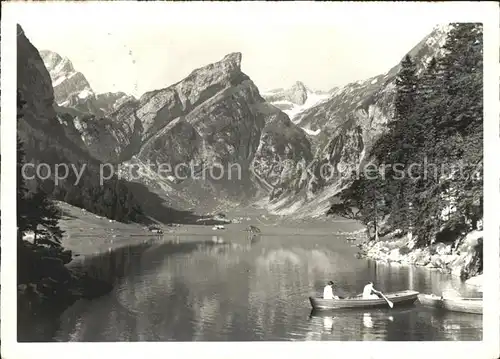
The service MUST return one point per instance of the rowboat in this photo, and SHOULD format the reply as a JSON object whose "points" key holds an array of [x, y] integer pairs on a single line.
{"points": [[463, 305], [405, 297]]}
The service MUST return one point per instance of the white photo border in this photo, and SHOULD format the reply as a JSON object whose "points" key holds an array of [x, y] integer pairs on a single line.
{"points": [[251, 14]]}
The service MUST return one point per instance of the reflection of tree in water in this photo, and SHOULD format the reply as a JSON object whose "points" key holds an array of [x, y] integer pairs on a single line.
{"points": [[112, 265]]}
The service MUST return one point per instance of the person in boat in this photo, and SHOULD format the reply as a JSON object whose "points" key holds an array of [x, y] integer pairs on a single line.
{"points": [[328, 291], [370, 293]]}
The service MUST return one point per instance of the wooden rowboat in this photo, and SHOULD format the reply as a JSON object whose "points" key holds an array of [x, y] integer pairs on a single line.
{"points": [[463, 305], [405, 297]]}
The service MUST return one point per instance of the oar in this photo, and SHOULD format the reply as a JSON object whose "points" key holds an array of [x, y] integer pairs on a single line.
{"points": [[391, 304]]}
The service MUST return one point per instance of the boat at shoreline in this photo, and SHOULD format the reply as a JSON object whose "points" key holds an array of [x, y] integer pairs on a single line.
{"points": [[405, 297], [462, 305]]}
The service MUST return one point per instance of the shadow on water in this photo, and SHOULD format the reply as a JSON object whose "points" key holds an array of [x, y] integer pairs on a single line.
{"points": [[106, 268], [116, 264]]}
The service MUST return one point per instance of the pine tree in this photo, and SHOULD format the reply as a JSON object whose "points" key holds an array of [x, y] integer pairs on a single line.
{"points": [[45, 219], [438, 122], [397, 148], [375, 208], [450, 108], [365, 201], [462, 72], [465, 116]]}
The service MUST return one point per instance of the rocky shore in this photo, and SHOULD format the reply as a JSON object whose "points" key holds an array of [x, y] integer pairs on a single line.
{"points": [[462, 258]]}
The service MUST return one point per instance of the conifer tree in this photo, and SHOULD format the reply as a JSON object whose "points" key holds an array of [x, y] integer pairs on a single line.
{"points": [[45, 217], [365, 201], [437, 123], [399, 147]]}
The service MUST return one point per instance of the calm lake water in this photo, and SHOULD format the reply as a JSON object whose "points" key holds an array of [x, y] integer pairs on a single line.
{"points": [[187, 288]]}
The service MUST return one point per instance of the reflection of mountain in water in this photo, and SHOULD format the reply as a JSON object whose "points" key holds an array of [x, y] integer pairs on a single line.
{"points": [[207, 290]]}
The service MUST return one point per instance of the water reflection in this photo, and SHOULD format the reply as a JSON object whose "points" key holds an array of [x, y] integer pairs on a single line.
{"points": [[240, 289], [328, 323], [367, 320], [419, 279], [354, 324]]}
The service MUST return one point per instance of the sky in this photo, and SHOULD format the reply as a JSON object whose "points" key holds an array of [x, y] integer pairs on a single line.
{"points": [[142, 51]]}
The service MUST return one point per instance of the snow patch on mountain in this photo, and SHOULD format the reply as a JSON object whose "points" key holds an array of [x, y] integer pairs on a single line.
{"points": [[313, 99], [85, 93], [311, 132], [284, 99], [350, 121], [59, 79]]}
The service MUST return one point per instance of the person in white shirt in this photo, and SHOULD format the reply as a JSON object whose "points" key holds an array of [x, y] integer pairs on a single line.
{"points": [[328, 291], [369, 292]]}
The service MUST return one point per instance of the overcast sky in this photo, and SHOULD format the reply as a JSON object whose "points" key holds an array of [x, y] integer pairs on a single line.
{"points": [[119, 52]]}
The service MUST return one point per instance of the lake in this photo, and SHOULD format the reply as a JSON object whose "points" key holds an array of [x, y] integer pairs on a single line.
{"points": [[189, 288]]}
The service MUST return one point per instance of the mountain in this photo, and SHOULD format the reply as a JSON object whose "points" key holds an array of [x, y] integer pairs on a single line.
{"points": [[349, 121], [46, 138], [72, 90], [214, 118], [276, 145], [295, 100]]}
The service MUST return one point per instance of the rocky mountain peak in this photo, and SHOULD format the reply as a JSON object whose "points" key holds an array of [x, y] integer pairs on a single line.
{"points": [[295, 99], [226, 72], [298, 93], [72, 90], [299, 85], [233, 58], [56, 64], [66, 81]]}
